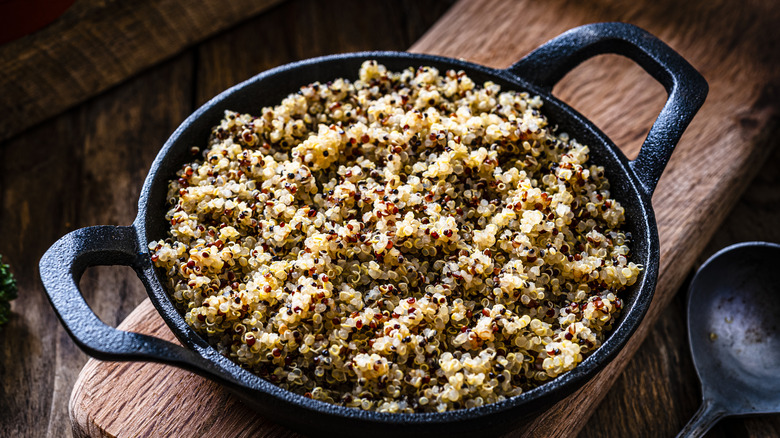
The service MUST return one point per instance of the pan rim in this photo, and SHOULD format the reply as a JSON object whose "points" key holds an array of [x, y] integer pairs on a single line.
{"points": [[545, 394]]}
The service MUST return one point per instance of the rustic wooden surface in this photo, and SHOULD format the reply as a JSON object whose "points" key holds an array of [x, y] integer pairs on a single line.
{"points": [[86, 167], [96, 44]]}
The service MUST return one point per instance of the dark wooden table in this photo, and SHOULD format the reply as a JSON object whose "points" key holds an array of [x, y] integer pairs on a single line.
{"points": [[86, 167]]}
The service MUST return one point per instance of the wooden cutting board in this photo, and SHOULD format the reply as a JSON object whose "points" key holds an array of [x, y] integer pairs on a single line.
{"points": [[735, 49]]}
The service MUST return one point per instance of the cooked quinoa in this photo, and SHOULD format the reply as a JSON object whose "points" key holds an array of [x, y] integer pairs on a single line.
{"points": [[407, 242]]}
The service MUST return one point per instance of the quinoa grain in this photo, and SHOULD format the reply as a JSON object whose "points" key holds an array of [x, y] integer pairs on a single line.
{"points": [[407, 242]]}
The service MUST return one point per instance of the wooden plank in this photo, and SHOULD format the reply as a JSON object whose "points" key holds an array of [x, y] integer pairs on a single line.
{"points": [[83, 168], [310, 29], [97, 44], [705, 177]]}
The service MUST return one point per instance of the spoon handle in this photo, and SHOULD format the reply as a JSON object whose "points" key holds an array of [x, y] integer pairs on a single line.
{"points": [[708, 414]]}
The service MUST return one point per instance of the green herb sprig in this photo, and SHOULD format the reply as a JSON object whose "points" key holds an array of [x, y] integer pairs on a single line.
{"points": [[8, 291]]}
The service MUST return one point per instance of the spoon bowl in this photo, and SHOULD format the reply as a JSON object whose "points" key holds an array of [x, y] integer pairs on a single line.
{"points": [[733, 321]]}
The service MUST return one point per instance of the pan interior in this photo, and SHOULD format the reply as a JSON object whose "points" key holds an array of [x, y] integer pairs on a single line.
{"points": [[269, 88]]}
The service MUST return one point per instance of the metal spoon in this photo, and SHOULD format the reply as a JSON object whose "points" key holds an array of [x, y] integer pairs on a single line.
{"points": [[733, 322]]}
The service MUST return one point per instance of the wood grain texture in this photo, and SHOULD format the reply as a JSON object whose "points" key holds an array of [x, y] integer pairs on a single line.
{"points": [[72, 186], [97, 44], [309, 29], [83, 168]]}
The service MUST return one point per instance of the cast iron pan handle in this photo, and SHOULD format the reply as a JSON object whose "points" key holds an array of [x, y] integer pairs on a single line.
{"points": [[61, 268], [687, 88]]}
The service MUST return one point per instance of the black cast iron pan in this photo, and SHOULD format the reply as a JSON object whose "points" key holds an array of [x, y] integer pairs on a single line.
{"points": [[632, 184]]}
